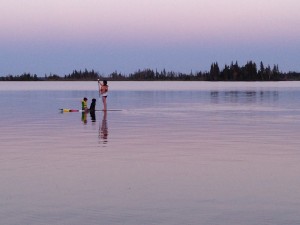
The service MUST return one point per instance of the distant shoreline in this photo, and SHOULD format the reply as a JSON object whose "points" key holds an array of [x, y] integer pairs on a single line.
{"points": [[233, 72], [233, 81]]}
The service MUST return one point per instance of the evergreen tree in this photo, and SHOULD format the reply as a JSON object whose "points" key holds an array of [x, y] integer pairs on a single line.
{"points": [[214, 71], [262, 71]]}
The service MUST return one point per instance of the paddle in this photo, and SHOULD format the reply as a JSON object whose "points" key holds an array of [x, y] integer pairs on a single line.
{"points": [[99, 88]]}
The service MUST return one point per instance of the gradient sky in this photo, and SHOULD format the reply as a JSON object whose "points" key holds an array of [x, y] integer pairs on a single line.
{"points": [[58, 36]]}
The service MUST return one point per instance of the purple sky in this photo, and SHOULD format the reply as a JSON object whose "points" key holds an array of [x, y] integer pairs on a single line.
{"points": [[58, 36]]}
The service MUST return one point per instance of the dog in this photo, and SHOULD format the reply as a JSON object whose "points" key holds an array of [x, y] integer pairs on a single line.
{"points": [[93, 105]]}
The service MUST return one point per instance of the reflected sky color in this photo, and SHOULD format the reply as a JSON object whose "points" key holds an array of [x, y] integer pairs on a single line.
{"points": [[225, 153], [54, 36]]}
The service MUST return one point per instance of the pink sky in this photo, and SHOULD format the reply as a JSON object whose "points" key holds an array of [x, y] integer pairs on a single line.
{"points": [[126, 35]]}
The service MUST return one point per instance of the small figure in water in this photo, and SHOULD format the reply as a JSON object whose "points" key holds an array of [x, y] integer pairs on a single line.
{"points": [[103, 89], [84, 104], [92, 110], [93, 105]]}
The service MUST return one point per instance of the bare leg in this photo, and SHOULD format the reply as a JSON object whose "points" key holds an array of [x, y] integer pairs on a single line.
{"points": [[104, 103]]}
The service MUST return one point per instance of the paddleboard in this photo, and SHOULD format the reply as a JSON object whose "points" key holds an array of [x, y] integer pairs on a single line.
{"points": [[80, 110]]}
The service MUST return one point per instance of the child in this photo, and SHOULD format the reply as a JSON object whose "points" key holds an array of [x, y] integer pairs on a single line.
{"points": [[84, 104]]}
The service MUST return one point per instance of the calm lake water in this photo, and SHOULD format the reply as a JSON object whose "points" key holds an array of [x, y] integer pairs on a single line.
{"points": [[179, 153]]}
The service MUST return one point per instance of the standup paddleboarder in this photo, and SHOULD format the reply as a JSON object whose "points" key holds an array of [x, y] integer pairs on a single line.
{"points": [[103, 89]]}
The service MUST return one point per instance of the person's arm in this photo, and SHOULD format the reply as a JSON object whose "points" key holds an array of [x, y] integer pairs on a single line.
{"points": [[100, 86]]}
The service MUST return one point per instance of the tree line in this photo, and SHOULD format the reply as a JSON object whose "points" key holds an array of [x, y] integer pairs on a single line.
{"points": [[233, 72]]}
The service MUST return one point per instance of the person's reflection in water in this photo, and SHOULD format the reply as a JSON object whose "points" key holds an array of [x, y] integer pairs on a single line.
{"points": [[93, 116], [84, 117], [103, 129]]}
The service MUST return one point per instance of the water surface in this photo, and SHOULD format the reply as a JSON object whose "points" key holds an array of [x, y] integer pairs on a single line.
{"points": [[177, 153]]}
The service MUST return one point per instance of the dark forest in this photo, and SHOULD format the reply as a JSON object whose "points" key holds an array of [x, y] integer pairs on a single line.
{"points": [[233, 72]]}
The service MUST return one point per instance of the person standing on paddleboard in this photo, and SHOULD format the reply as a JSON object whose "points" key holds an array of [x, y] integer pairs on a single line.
{"points": [[103, 89]]}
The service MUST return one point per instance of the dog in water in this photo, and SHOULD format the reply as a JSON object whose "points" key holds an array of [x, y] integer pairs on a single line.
{"points": [[93, 105]]}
